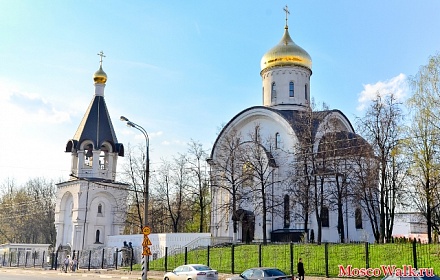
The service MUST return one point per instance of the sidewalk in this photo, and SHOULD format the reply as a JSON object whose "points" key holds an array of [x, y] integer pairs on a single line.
{"points": [[121, 274]]}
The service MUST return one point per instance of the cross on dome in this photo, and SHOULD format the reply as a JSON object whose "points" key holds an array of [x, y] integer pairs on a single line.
{"points": [[101, 54], [286, 9]]}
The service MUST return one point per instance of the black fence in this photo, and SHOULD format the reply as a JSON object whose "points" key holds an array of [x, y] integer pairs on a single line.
{"points": [[319, 260], [327, 259]]}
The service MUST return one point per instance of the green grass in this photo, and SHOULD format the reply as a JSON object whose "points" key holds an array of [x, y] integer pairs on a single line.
{"points": [[246, 256]]}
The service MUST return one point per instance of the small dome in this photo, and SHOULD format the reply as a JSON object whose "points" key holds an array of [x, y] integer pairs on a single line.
{"points": [[100, 77], [286, 53]]}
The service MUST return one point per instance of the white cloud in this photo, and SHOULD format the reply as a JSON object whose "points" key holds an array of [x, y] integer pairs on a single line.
{"points": [[27, 107], [396, 85]]}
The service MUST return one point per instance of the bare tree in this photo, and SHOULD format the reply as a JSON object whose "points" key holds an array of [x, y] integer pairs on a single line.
{"points": [[199, 186], [380, 126], [227, 175], [260, 165], [172, 185]]}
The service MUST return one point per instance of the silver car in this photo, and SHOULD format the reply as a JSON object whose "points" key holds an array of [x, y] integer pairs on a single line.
{"points": [[192, 272], [261, 273]]}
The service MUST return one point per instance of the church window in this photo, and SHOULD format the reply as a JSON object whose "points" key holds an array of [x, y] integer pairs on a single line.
{"points": [[257, 133], [277, 140], [291, 89], [286, 211], [306, 93], [273, 92], [99, 208], [324, 217], [358, 218], [88, 155], [97, 236]]}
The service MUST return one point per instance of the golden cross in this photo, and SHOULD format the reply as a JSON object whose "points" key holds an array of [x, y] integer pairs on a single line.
{"points": [[286, 9], [101, 54]]}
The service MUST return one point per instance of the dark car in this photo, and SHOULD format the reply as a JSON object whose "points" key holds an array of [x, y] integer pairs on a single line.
{"points": [[261, 273]]}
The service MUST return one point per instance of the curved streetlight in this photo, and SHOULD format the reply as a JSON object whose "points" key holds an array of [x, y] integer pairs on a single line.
{"points": [[146, 182]]}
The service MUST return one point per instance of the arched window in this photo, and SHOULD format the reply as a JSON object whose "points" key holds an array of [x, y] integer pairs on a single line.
{"points": [[97, 236], [273, 92], [248, 174], [99, 208], [291, 89], [257, 133], [324, 217], [277, 140], [306, 94], [358, 218], [286, 211]]}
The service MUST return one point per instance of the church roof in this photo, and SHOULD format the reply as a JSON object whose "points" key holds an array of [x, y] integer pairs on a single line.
{"points": [[97, 127], [297, 119]]}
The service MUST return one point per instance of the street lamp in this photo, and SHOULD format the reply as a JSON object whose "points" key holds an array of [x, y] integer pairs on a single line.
{"points": [[146, 185]]}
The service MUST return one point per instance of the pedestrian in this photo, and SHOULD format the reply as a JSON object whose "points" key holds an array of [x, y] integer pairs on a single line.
{"points": [[300, 270], [66, 263], [74, 265]]}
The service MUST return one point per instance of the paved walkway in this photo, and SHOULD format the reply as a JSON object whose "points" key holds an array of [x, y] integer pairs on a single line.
{"points": [[121, 274]]}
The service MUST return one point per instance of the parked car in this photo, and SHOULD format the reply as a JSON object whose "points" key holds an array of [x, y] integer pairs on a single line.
{"points": [[392, 277], [192, 272], [261, 273]]}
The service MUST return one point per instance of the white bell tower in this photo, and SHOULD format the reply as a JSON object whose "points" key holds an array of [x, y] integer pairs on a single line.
{"points": [[91, 205]]}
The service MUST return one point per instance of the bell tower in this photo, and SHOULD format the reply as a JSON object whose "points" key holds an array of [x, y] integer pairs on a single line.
{"points": [[94, 146], [91, 205]]}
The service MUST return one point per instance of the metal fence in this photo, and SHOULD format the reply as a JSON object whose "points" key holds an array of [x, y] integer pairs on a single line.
{"points": [[319, 260]]}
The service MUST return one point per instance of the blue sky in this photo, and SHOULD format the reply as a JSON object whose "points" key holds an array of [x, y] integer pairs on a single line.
{"points": [[181, 69]]}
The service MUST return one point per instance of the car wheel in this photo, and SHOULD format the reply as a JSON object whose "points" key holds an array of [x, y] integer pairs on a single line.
{"points": [[166, 278]]}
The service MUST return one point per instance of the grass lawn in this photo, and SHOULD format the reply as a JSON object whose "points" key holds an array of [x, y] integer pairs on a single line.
{"points": [[314, 257]]}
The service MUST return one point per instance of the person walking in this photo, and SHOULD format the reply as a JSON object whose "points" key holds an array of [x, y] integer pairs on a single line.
{"points": [[300, 269], [66, 263]]}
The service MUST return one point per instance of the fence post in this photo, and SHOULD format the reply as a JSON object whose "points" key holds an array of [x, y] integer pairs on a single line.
{"points": [[102, 258], [4, 258], [90, 259], [166, 259], [116, 259], [326, 259], [291, 259], [18, 259], [10, 259], [26, 254], [207, 254], [367, 255], [186, 255], [259, 255], [232, 259], [415, 253], [56, 260], [42, 261], [131, 259], [52, 261], [34, 256]]}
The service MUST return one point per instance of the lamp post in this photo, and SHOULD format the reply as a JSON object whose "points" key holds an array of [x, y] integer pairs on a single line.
{"points": [[146, 184]]}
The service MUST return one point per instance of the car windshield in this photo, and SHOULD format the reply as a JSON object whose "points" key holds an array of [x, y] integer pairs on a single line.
{"points": [[201, 267], [273, 272]]}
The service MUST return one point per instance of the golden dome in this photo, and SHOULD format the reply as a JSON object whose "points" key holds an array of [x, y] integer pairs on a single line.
{"points": [[100, 77], [286, 53]]}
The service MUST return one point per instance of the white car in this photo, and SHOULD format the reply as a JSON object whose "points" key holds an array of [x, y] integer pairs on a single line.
{"points": [[192, 272]]}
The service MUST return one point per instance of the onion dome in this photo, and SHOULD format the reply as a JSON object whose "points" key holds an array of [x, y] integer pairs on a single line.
{"points": [[100, 77], [286, 53]]}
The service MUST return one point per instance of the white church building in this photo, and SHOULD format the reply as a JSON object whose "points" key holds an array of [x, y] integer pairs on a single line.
{"points": [[91, 206], [255, 155]]}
